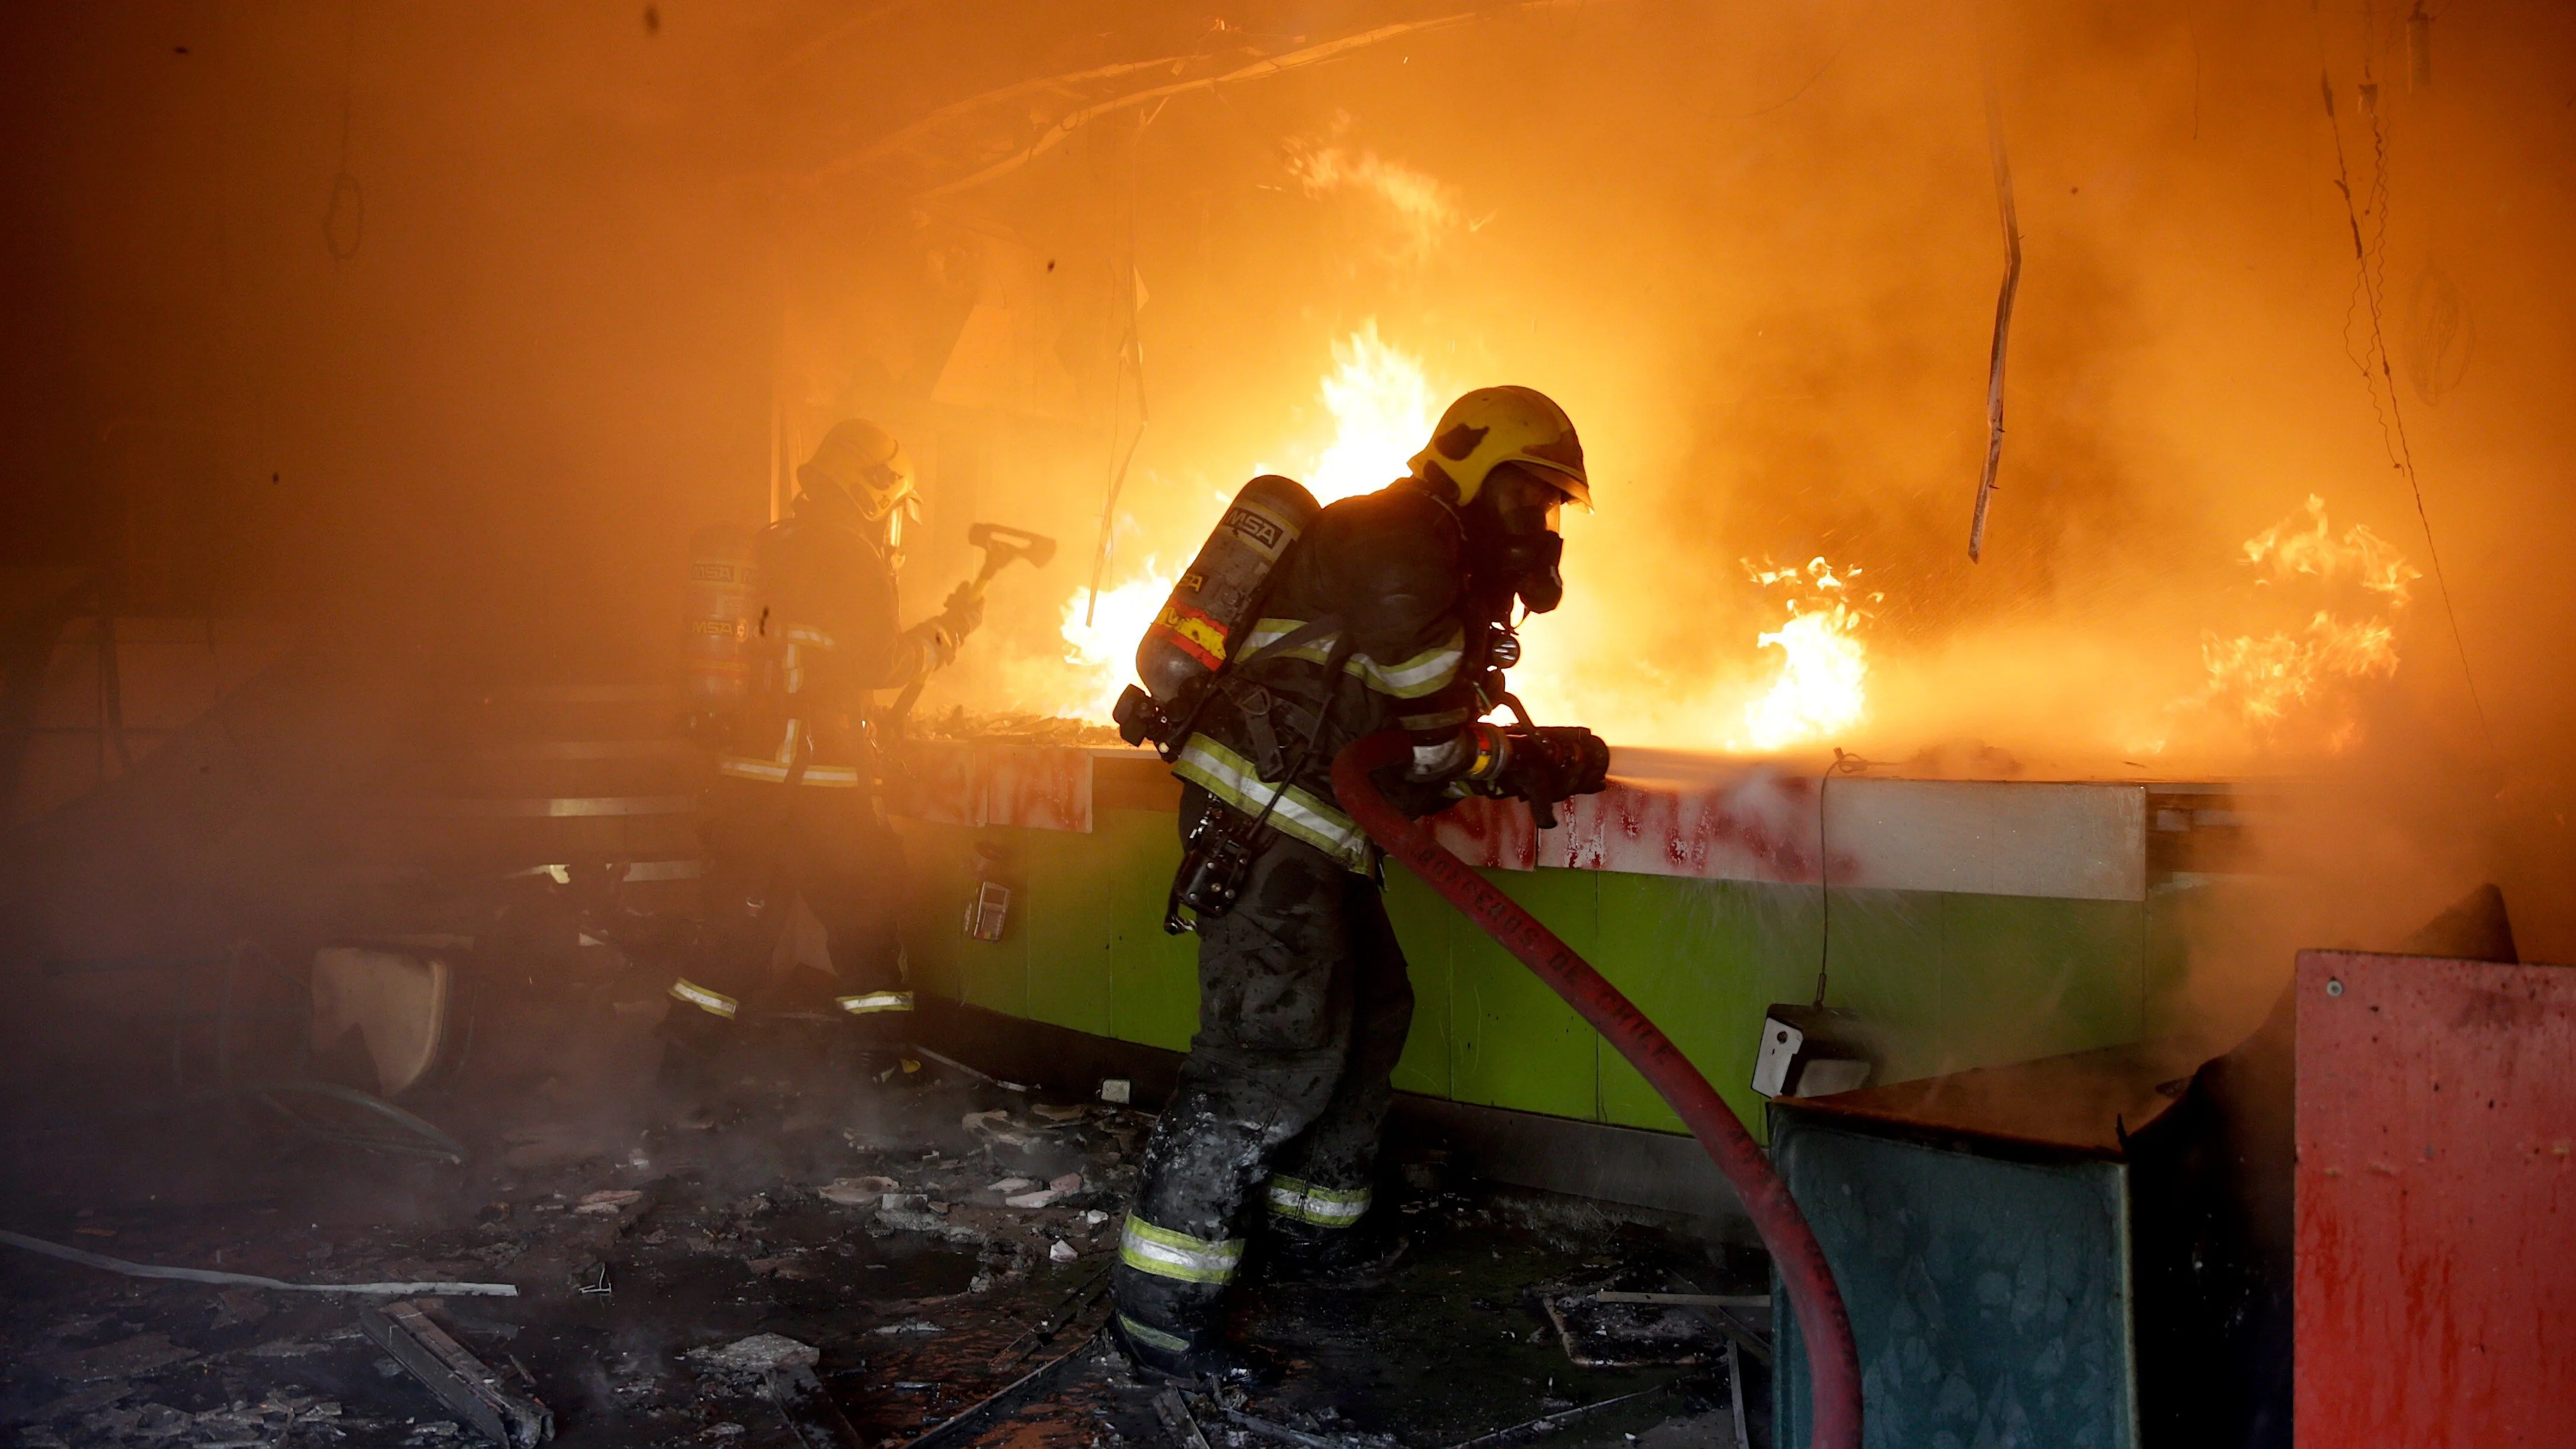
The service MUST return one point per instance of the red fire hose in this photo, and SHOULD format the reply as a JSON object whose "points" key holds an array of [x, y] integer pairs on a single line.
{"points": [[1826, 1328]]}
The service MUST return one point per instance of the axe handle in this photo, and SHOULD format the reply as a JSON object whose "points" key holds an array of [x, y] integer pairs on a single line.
{"points": [[998, 556]]}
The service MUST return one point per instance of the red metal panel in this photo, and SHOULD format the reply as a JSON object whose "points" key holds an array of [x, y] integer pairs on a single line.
{"points": [[2436, 1203]]}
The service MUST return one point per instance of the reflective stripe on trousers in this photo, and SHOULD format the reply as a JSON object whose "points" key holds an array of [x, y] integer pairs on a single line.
{"points": [[873, 1001], [1325, 1207], [714, 1003], [1152, 1337], [1167, 1254]]}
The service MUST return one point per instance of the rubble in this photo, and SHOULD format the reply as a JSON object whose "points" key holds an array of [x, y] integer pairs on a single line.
{"points": [[757, 1354], [124, 1359], [459, 1379], [865, 1281], [858, 1191]]}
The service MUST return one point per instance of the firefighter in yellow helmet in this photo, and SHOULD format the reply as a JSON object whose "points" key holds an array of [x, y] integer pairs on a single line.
{"points": [[1404, 600], [792, 811]]}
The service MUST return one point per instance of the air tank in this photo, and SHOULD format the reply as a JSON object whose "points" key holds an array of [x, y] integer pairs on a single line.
{"points": [[1218, 593], [717, 609]]}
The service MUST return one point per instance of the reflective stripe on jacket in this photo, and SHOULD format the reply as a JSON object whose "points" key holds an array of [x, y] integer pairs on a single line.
{"points": [[775, 769], [1425, 672], [1230, 777]]}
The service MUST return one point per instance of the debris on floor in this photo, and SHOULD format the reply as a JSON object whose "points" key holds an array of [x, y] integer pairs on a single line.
{"points": [[804, 1257], [459, 1380]]}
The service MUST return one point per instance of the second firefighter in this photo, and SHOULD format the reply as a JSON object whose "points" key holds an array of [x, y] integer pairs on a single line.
{"points": [[793, 811]]}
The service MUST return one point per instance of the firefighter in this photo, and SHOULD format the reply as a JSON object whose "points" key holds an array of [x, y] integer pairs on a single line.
{"points": [[1393, 609], [792, 811]]}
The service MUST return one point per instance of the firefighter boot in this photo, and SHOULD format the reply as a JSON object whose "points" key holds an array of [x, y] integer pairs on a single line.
{"points": [[1169, 1328], [1355, 1253]]}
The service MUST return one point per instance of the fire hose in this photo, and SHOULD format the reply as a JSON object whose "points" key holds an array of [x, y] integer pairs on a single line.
{"points": [[1825, 1326]]}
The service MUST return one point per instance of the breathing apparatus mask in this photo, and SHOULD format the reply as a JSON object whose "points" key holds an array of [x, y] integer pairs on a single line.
{"points": [[860, 479], [1512, 535]]}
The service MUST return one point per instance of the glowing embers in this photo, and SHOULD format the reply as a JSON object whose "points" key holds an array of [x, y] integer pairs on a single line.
{"points": [[2295, 687], [1820, 688], [1102, 653], [1383, 409]]}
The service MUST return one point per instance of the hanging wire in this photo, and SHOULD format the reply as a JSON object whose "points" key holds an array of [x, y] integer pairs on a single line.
{"points": [[1844, 764], [2370, 258]]}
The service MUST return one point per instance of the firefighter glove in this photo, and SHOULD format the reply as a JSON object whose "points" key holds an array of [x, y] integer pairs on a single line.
{"points": [[938, 641], [963, 614]]}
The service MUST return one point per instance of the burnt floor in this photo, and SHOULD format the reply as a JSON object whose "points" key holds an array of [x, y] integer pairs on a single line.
{"points": [[642, 1238]]}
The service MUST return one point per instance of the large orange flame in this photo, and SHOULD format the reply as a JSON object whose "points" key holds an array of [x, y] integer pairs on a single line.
{"points": [[1101, 654], [1820, 688], [1382, 408]]}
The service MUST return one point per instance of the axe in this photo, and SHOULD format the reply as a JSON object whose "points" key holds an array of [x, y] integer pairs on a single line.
{"points": [[1002, 546]]}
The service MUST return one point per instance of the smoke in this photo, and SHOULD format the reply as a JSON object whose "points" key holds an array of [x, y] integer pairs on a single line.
{"points": [[609, 283], [1421, 208], [1756, 258]]}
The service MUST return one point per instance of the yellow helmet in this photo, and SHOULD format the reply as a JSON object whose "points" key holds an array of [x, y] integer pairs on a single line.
{"points": [[863, 461], [1496, 425]]}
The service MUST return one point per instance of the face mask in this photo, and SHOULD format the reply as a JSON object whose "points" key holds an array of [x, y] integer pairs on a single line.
{"points": [[1530, 561], [1520, 539]]}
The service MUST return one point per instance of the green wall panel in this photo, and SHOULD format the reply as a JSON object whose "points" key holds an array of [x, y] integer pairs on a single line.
{"points": [[1153, 975], [1422, 924], [1953, 980], [2024, 978], [1513, 1043], [1885, 963], [934, 862], [1070, 907], [990, 974], [1702, 960]]}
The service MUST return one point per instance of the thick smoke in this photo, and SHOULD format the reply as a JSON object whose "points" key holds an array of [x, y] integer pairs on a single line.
{"points": [[446, 331]]}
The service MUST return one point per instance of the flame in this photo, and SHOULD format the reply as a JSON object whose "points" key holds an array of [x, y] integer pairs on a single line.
{"points": [[1821, 687], [2269, 674], [2363, 556], [2302, 680], [1383, 410], [1102, 654]]}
